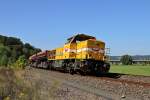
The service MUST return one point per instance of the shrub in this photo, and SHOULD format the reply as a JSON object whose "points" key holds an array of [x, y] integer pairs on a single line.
{"points": [[21, 62], [4, 60], [126, 60]]}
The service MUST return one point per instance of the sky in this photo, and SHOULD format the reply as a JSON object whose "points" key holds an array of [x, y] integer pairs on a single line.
{"points": [[124, 25]]}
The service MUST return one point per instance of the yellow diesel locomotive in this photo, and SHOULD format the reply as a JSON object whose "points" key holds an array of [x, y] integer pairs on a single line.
{"points": [[81, 54]]}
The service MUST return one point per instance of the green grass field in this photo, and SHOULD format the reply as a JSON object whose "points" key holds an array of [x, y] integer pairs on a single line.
{"points": [[131, 69]]}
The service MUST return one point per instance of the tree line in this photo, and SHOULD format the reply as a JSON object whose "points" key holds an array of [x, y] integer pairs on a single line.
{"points": [[126, 60], [13, 52]]}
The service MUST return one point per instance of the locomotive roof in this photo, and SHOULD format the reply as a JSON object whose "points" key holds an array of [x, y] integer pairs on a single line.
{"points": [[80, 37]]}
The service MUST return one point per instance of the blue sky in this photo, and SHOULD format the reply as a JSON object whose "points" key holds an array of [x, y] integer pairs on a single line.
{"points": [[123, 24]]}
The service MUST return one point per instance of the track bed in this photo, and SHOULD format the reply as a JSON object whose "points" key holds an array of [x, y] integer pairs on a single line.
{"points": [[108, 87], [39, 84]]}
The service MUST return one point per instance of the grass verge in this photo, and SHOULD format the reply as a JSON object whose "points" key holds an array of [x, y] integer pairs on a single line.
{"points": [[131, 69]]}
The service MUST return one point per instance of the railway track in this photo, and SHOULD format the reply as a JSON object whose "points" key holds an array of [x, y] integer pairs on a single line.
{"points": [[128, 81], [92, 90], [105, 87], [116, 77]]}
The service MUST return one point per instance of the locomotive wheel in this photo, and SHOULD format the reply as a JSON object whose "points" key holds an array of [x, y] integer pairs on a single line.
{"points": [[82, 73], [47, 67], [71, 72], [107, 67], [98, 71]]}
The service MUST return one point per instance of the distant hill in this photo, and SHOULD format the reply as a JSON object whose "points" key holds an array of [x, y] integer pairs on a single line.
{"points": [[11, 48], [136, 57]]}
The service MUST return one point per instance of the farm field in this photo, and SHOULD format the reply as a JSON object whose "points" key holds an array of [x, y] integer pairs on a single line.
{"points": [[131, 69]]}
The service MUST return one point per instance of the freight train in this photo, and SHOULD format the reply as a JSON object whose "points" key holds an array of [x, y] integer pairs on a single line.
{"points": [[81, 54]]}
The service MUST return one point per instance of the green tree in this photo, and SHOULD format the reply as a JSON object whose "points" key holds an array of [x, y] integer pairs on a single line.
{"points": [[13, 41], [126, 60], [4, 50], [21, 62], [28, 46], [14, 54], [29, 50], [4, 60], [2, 39], [12, 48], [26, 52]]}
